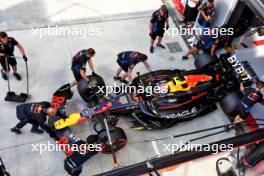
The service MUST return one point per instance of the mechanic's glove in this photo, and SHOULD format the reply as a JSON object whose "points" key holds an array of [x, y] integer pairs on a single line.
{"points": [[94, 74], [167, 27], [25, 58]]}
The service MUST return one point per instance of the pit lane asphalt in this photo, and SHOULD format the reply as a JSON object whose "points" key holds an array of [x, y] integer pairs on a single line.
{"points": [[124, 27]]}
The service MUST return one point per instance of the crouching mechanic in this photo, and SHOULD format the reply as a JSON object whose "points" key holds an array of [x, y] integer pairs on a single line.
{"points": [[127, 61], [7, 45], [251, 97], [33, 113], [76, 150], [74, 161], [79, 63]]}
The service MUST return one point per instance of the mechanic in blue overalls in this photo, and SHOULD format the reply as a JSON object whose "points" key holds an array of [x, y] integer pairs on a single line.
{"points": [[127, 61], [34, 114], [79, 65], [159, 19], [73, 163], [251, 97], [206, 14]]}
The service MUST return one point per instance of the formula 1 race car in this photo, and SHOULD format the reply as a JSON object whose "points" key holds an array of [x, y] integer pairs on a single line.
{"points": [[110, 137], [186, 94]]}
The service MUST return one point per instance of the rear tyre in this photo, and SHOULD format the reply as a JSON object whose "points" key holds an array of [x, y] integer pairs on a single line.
{"points": [[255, 156], [229, 103], [204, 60]]}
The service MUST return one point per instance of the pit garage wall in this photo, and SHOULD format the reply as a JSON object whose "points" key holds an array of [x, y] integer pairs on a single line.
{"points": [[224, 9], [256, 6]]}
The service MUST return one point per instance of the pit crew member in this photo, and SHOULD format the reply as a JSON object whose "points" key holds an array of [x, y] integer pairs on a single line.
{"points": [[79, 65], [33, 113], [127, 61], [7, 45], [157, 25], [251, 97]]}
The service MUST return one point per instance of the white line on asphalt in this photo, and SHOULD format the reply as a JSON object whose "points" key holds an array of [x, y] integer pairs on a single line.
{"points": [[155, 147]]}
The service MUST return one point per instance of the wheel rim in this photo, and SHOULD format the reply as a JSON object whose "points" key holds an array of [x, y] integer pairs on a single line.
{"points": [[116, 146]]}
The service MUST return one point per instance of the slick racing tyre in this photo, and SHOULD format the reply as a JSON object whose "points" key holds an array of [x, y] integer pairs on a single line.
{"points": [[64, 91], [118, 137], [89, 93], [229, 103], [204, 60], [255, 156]]}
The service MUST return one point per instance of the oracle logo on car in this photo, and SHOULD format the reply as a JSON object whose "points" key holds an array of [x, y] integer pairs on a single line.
{"points": [[183, 114], [239, 68]]}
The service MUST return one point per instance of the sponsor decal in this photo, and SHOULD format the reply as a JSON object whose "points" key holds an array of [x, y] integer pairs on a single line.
{"points": [[181, 115], [57, 101], [195, 97], [239, 68], [66, 149], [131, 107]]}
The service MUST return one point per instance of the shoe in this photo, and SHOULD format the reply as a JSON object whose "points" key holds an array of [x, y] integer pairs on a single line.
{"points": [[161, 46], [18, 77], [16, 130], [184, 57], [151, 49], [37, 131], [124, 81], [4, 75], [117, 78], [191, 39]]}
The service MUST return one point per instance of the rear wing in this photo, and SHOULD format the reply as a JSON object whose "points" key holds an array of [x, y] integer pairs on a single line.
{"points": [[242, 70]]}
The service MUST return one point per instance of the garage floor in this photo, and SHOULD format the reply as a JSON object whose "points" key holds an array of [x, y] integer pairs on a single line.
{"points": [[124, 26]]}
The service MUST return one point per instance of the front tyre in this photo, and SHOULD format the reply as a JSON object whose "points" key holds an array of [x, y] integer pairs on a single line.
{"points": [[118, 137], [90, 93]]}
